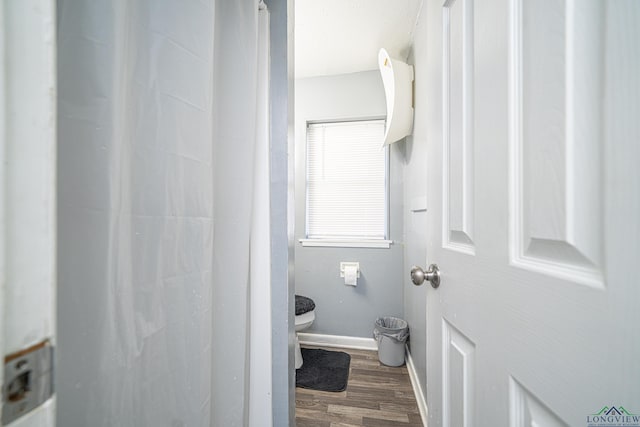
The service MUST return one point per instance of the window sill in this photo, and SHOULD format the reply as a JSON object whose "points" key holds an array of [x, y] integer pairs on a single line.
{"points": [[346, 243]]}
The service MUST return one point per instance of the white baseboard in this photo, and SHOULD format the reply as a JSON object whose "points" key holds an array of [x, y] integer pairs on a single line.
{"points": [[356, 343], [417, 389]]}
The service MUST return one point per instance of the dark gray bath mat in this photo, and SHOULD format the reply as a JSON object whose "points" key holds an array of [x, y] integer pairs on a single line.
{"points": [[323, 370]]}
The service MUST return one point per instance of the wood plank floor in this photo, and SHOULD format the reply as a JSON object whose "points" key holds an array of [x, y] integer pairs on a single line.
{"points": [[376, 396]]}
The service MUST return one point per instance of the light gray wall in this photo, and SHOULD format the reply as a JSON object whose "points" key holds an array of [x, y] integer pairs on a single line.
{"points": [[415, 193], [340, 309]]}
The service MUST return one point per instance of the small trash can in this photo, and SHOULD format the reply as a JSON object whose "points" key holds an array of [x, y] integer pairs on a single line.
{"points": [[391, 334]]}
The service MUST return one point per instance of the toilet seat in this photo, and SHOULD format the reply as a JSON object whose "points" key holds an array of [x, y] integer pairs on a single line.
{"points": [[304, 304]]}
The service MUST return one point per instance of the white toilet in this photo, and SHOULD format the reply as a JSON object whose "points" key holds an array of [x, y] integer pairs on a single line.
{"points": [[305, 315]]}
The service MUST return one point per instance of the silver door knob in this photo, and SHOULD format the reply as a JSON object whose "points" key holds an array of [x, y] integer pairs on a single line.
{"points": [[418, 275]]}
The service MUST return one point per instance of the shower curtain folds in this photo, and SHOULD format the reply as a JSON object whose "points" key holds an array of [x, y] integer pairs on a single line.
{"points": [[241, 371], [162, 317]]}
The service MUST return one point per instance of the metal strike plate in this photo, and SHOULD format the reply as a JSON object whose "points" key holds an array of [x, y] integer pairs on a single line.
{"points": [[28, 380]]}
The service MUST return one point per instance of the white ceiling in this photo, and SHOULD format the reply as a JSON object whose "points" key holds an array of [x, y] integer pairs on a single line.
{"points": [[344, 36]]}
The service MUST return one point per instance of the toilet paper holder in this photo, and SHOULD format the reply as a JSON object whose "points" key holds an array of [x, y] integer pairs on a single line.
{"points": [[343, 265]]}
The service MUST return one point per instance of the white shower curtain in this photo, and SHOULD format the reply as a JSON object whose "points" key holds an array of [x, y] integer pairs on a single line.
{"points": [[159, 222]]}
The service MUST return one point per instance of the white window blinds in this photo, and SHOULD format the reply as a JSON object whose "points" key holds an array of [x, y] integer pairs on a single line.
{"points": [[346, 180]]}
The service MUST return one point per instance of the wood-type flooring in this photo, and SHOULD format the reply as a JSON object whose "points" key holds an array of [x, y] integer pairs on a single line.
{"points": [[376, 396]]}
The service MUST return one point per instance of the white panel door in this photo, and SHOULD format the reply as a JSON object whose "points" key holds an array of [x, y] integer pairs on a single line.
{"points": [[534, 192]]}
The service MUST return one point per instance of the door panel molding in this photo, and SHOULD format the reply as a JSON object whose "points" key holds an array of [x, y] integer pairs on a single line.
{"points": [[457, 113], [525, 409], [556, 167], [458, 377]]}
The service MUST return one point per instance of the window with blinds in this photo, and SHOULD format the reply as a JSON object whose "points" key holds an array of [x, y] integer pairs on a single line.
{"points": [[347, 173]]}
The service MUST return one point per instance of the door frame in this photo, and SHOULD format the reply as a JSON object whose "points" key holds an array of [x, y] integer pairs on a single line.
{"points": [[282, 205], [28, 185]]}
